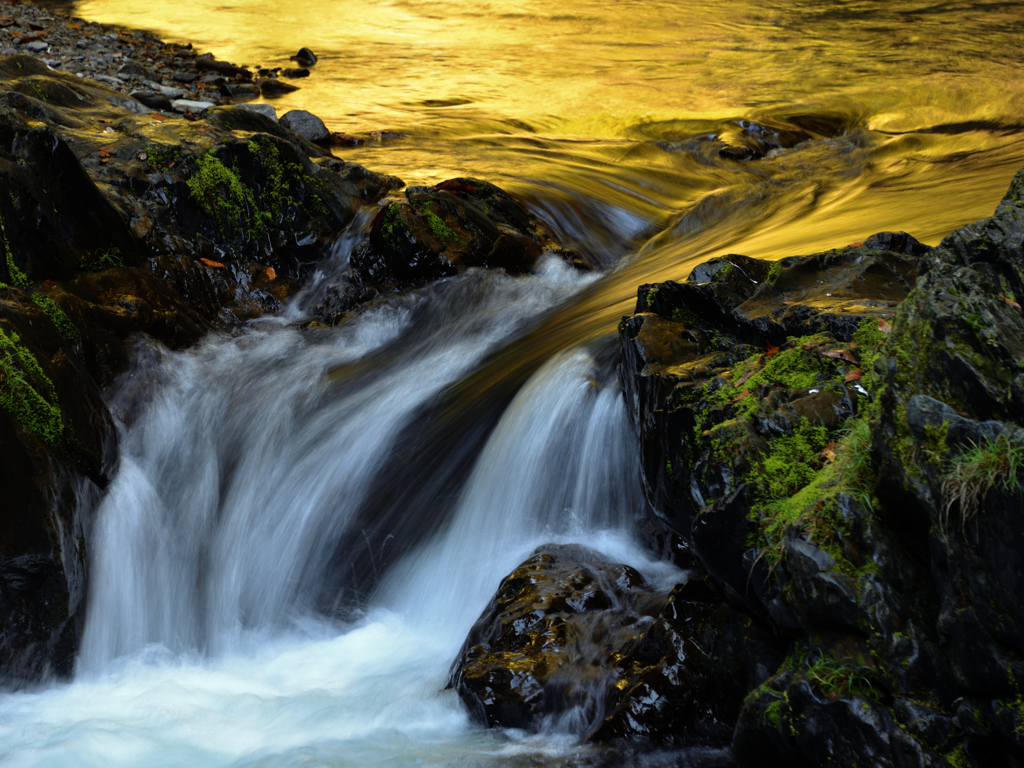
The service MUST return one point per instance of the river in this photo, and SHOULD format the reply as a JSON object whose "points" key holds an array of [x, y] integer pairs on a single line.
{"points": [[304, 525]]}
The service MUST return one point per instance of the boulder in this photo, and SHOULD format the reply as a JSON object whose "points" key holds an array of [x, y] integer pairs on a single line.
{"points": [[574, 641], [306, 124]]}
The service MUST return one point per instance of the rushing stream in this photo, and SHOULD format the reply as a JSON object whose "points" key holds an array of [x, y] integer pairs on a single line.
{"points": [[304, 525]]}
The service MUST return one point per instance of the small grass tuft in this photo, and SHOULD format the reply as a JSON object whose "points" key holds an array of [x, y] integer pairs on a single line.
{"points": [[976, 471]]}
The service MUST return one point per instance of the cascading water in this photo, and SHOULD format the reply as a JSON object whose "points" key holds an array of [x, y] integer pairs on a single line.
{"points": [[247, 463]]}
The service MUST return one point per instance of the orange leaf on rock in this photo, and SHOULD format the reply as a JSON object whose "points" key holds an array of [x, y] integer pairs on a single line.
{"points": [[212, 263], [1011, 302], [839, 354], [772, 350], [271, 274], [855, 245], [742, 396], [744, 377], [829, 452], [884, 326], [853, 375]]}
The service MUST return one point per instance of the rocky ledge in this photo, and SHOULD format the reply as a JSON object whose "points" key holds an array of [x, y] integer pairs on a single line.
{"points": [[118, 220], [832, 448]]}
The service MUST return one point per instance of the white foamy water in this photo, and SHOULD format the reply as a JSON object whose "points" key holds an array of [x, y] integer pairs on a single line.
{"points": [[244, 464]]}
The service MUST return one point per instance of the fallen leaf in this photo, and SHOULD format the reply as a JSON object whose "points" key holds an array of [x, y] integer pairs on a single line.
{"points": [[212, 263], [839, 354], [855, 245], [742, 396], [745, 376], [853, 375], [1011, 302], [271, 274], [788, 303], [143, 156], [884, 326], [829, 453], [49, 284], [6, 21], [772, 350], [157, 116]]}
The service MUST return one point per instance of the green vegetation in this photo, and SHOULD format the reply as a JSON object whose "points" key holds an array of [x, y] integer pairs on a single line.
{"points": [[161, 157], [774, 272], [976, 471], [60, 321], [15, 275], [651, 293], [26, 393], [244, 211], [813, 506], [841, 677], [108, 259], [793, 461], [221, 193], [441, 230]]}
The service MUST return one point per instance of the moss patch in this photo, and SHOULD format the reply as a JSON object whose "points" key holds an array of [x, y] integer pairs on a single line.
{"points": [[60, 321], [26, 392]]}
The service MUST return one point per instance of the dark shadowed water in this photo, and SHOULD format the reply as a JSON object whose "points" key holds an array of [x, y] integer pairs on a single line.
{"points": [[304, 525]]}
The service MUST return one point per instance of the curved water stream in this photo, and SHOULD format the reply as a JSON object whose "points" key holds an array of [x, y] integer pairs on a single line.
{"points": [[304, 525]]}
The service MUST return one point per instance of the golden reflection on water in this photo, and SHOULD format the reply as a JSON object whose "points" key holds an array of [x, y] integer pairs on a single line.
{"points": [[592, 109]]}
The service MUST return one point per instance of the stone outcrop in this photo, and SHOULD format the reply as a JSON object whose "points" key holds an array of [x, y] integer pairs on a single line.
{"points": [[832, 447]]}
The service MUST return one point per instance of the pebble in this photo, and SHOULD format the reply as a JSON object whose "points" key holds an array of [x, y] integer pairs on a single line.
{"points": [[188, 105], [164, 90], [305, 57], [38, 46]]}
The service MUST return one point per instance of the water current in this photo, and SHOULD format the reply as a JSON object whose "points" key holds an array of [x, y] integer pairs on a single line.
{"points": [[304, 525]]}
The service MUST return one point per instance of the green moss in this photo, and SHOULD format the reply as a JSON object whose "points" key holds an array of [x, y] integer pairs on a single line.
{"points": [[795, 368], [958, 758], [220, 192], [60, 321], [161, 157], [26, 392], [793, 460], [391, 224], [15, 275], [813, 508], [773, 273], [772, 713], [440, 229], [651, 293]]}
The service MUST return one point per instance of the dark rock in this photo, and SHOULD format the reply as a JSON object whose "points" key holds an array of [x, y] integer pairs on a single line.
{"points": [[440, 231], [573, 639], [304, 58], [184, 76], [306, 124], [152, 100], [271, 87], [293, 73]]}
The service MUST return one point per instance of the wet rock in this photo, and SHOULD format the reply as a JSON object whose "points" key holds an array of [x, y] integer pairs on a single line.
{"points": [[306, 124], [304, 58], [152, 100], [188, 105], [439, 231], [263, 109], [294, 73], [575, 640], [272, 87]]}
